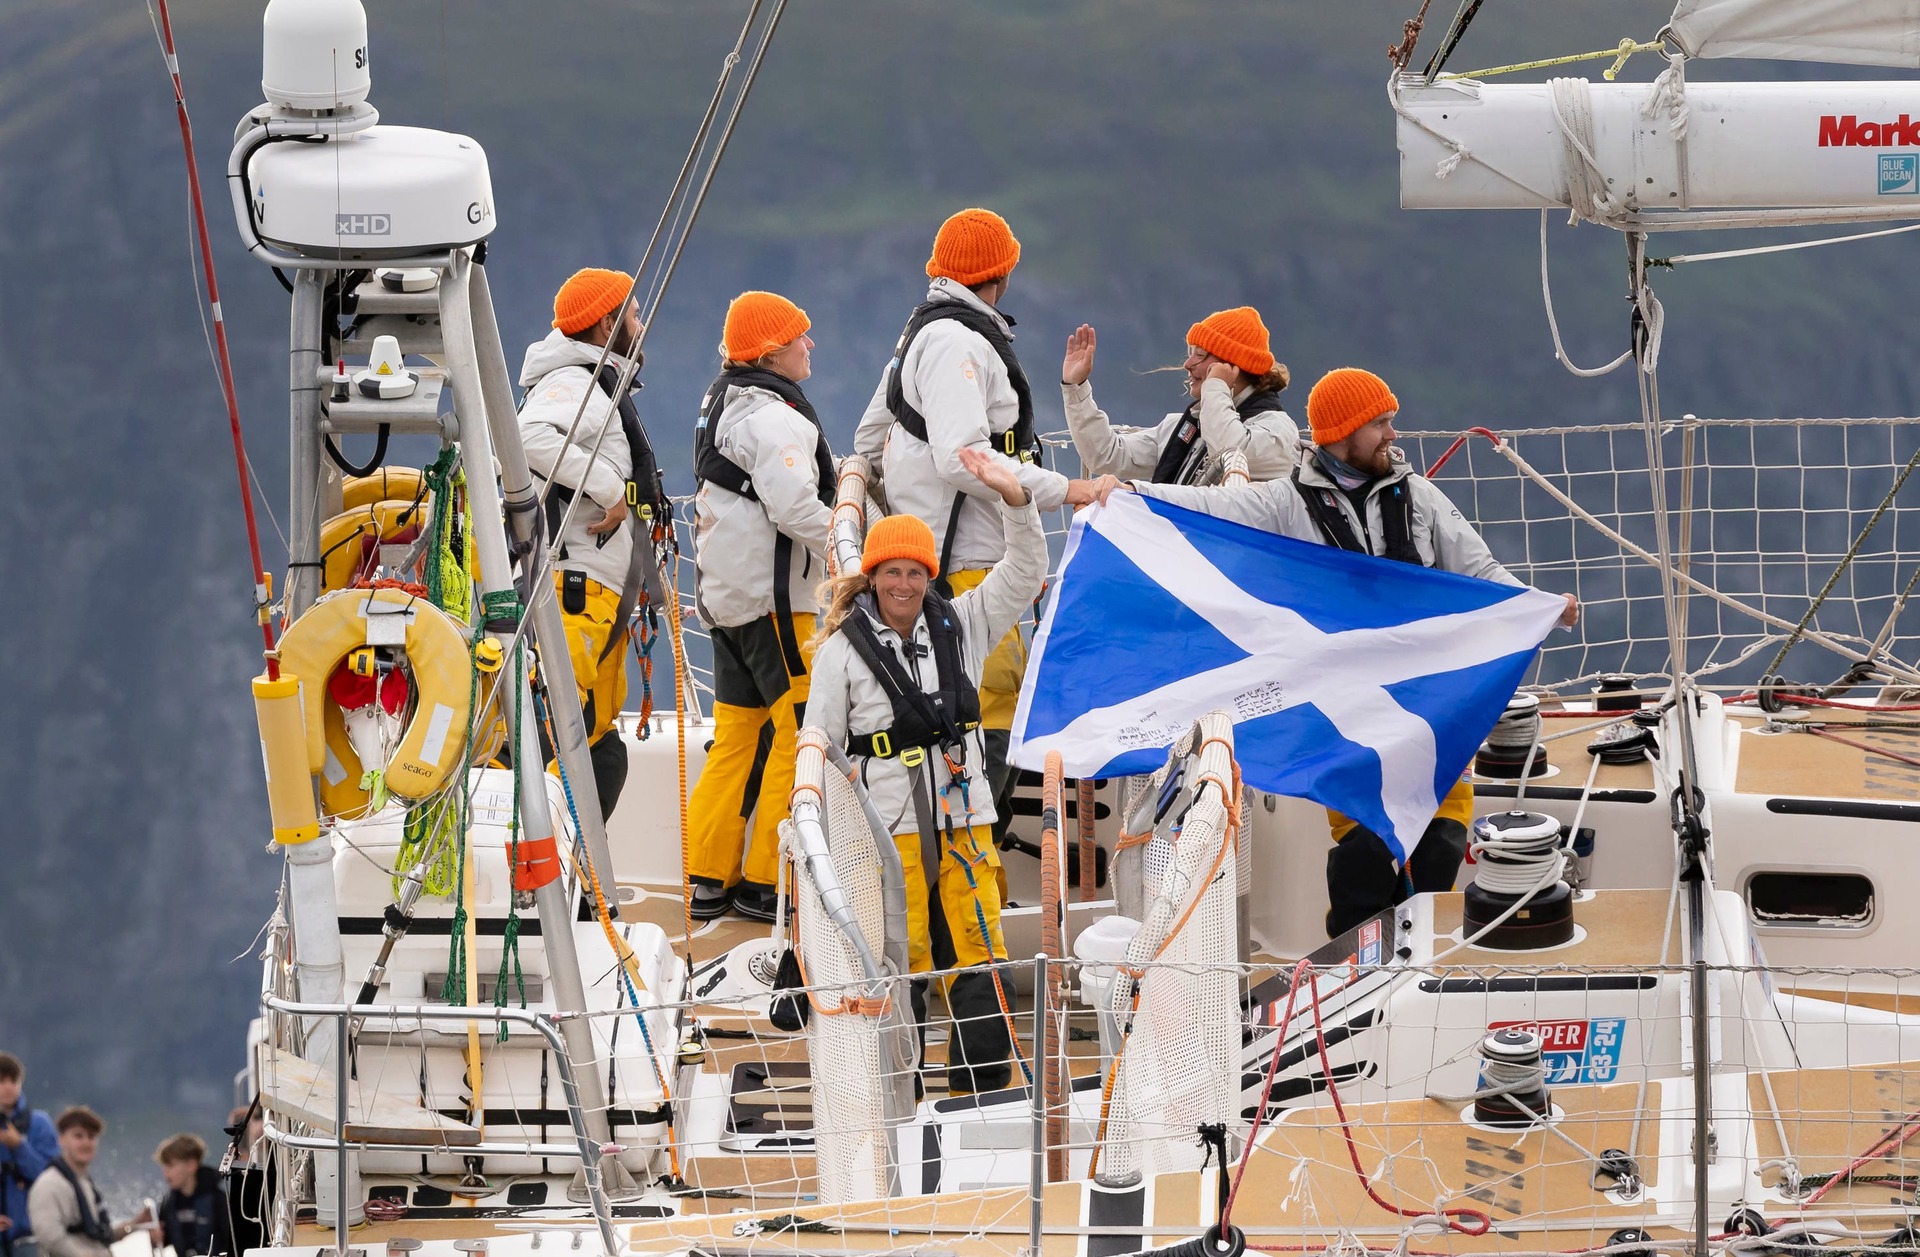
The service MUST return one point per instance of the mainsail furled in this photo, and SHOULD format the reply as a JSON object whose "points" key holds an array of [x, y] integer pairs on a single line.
{"points": [[1850, 32]]}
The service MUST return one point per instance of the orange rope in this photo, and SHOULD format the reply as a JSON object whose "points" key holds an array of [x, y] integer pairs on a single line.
{"points": [[1089, 849], [680, 731], [1053, 946]]}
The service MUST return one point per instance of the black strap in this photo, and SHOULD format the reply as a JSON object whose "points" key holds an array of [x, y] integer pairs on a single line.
{"points": [[783, 606], [1185, 451], [944, 582], [645, 485], [1016, 442], [1396, 524]]}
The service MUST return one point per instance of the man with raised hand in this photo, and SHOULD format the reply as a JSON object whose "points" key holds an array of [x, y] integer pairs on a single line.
{"points": [[1353, 489]]}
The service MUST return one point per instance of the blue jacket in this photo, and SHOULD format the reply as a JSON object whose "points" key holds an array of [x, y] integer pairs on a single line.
{"points": [[20, 1166]]}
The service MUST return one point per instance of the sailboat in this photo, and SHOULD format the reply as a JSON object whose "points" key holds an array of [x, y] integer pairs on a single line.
{"points": [[487, 1024]]}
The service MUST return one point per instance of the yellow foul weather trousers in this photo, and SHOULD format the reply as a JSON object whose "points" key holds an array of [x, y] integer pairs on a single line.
{"points": [[760, 682], [602, 682], [964, 933]]}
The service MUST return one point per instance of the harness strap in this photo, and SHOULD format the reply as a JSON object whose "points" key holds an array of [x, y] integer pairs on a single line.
{"points": [[1327, 516], [944, 581], [1017, 442], [1185, 452]]}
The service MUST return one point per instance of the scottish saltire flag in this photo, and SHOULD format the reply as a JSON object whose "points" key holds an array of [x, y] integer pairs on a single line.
{"points": [[1360, 683]]}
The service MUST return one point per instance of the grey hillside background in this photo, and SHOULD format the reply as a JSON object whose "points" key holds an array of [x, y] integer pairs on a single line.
{"points": [[1158, 161]]}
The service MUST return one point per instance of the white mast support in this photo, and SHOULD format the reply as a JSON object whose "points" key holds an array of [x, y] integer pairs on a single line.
{"points": [[305, 454], [523, 520], [319, 968], [847, 530], [490, 541], [1622, 154]]}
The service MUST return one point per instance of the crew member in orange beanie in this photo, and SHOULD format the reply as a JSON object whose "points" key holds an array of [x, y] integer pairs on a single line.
{"points": [[895, 684], [761, 517], [953, 382], [1355, 490], [1235, 385], [590, 459]]}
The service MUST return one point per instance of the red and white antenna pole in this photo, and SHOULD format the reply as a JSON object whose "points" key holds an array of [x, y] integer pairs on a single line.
{"points": [[262, 583]]}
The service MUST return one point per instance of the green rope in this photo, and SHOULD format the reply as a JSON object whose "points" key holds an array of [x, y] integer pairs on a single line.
{"points": [[449, 584], [461, 798], [510, 937], [450, 560]]}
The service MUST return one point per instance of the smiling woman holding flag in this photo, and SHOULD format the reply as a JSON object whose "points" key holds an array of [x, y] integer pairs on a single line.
{"points": [[895, 681], [1353, 490]]}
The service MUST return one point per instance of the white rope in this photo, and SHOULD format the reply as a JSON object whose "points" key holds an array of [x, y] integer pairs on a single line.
{"points": [[1681, 259], [1553, 324], [1517, 864], [1829, 641], [1655, 317], [1670, 93], [1587, 192]]}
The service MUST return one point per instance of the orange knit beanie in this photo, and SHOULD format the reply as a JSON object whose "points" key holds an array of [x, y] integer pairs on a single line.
{"points": [[759, 323], [900, 537], [1346, 400], [1237, 336], [587, 297], [972, 247]]}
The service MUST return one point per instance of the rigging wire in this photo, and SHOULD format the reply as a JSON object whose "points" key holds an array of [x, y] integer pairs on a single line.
{"points": [[683, 226], [262, 584]]}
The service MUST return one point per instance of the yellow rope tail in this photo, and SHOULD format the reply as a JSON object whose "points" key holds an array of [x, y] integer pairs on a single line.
{"points": [[1620, 54]]}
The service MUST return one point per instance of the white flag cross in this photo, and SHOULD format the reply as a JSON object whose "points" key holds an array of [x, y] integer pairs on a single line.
{"points": [[1344, 675]]}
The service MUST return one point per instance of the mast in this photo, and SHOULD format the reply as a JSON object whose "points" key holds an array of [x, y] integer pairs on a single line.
{"points": [[349, 200]]}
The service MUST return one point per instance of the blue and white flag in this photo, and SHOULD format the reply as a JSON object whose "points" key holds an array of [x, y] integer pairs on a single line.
{"points": [[1361, 683]]}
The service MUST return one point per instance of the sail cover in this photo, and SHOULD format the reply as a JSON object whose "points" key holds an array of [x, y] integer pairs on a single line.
{"points": [[1852, 32]]}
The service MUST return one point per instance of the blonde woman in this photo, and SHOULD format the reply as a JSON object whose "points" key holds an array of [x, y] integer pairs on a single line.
{"points": [[896, 682]]}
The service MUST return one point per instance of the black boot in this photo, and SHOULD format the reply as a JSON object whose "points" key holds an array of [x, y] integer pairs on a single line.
{"points": [[978, 1049]]}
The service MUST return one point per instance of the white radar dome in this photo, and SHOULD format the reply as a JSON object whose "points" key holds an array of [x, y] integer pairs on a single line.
{"points": [[314, 54]]}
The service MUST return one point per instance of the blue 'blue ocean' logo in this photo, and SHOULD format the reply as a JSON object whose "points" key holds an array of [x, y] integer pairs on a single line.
{"points": [[1899, 174]]}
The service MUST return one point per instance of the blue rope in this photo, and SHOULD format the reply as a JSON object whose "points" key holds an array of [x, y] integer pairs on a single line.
{"points": [[632, 994]]}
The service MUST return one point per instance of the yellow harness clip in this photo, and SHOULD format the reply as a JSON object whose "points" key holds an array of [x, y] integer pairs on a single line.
{"points": [[914, 756]]}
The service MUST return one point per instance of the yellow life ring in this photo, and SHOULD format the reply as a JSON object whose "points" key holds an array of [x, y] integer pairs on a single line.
{"points": [[386, 485], [434, 743], [342, 537]]}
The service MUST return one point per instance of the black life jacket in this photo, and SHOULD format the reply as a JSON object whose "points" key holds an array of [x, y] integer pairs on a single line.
{"points": [[93, 1223], [921, 720], [709, 464], [646, 489], [191, 1221], [1018, 441], [1185, 451], [1396, 520]]}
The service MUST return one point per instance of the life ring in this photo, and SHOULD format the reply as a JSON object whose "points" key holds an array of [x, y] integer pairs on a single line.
{"points": [[350, 541], [386, 485], [434, 743]]}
